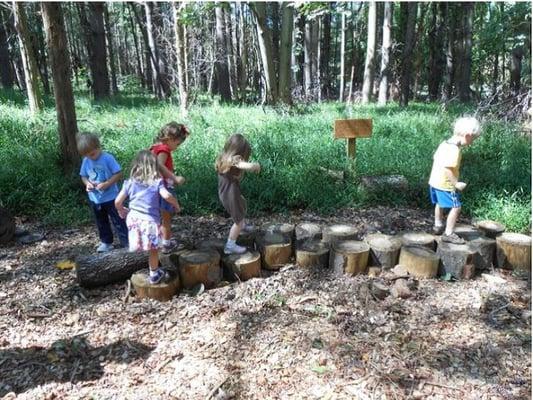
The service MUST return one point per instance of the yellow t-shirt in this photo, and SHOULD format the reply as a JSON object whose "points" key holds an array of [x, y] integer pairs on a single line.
{"points": [[448, 155]]}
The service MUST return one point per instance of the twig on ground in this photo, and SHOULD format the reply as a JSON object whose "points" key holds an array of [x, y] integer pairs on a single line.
{"points": [[217, 386]]}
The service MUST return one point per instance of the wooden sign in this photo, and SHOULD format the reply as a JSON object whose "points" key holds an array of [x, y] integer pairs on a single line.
{"points": [[351, 129]]}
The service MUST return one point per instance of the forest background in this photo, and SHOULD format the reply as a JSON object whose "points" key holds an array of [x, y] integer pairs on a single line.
{"points": [[280, 73]]}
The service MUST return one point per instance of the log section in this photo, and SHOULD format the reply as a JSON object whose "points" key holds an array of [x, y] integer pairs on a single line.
{"points": [[337, 233], [312, 254], [457, 260], [513, 250], [349, 257], [275, 249], [384, 249], [307, 231], [491, 229], [418, 239], [242, 266], [163, 291], [7, 226], [200, 266], [420, 262]]}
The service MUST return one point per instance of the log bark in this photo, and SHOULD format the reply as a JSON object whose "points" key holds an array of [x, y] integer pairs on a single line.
{"points": [[312, 254], [200, 266], [336, 233], [103, 269], [247, 239], [171, 261], [307, 231], [513, 250], [457, 260], [163, 291], [491, 229], [384, 250], [275, 250], [242, 266], [419, 261], [418, 239], [484, 251], [349, 257], [7, 226]]}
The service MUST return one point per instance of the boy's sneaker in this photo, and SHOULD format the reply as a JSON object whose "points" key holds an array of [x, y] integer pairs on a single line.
{"points": [[160, 276], [248, 228], [104, 247], [169, 247], [453, 238], [438, 229], [234, 249]]}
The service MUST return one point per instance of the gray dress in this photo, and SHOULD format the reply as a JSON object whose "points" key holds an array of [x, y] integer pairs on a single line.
{"points": [[229, 193]]}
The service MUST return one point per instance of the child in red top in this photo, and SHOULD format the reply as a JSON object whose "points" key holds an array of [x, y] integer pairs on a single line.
{"points": [[170, 137]]}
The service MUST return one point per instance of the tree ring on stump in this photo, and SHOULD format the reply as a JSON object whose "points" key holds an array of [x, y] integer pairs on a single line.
{"points": [[419, 261], [242, 266], [200, 266], [418, 239], [339, 232], [491, 229], [276, 250], [312, 253], [513, 250], [163, 291], [349, 257], [307, 231]]}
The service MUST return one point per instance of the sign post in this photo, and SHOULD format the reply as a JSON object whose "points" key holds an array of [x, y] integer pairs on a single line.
{"points": [[352, 129]]}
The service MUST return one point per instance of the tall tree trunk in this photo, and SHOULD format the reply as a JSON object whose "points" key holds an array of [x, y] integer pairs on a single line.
{"points": [[221, 60], [60, 65], [154, 51], [147, 52], [419, 53], [436, 55], [515, 68], [368, 81], [409, 10], [6, 78], [342, 56], [31, 72], [40, 52], [264, 39], [465, 71], [243, 53], [229, 51], [325, 54], [385, 54], [450, 57], [287, 22], [308, 56], [138, 56], [180, 33], [111, 50]]}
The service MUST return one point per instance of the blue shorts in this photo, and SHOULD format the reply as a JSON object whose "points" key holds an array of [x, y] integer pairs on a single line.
{"points": [[444, 198], [165, 205]]}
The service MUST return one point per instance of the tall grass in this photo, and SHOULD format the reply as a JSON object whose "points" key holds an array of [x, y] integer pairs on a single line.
{"points": [[291, 145]]}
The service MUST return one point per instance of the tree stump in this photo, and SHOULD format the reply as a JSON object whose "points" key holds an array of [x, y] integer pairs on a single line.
{"points": [[312, 253], [212, 243], [418, 239], [513, 250], [171, 261], [420, 262], [457, 260], [307, 231], [163, 291], [200, 266], [384, 249], [7, 226], [106, 268], [338, 233], [484, 251], [247, 239], [467, 232], [349, 257], [491, 229], [275, 249], [283, 229], [242, 266]]}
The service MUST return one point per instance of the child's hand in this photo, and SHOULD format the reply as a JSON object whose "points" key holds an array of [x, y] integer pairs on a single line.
{"points": [[256, 167], [460, 186], [180, 180], [123, 212], [177, 208], [102, 186], [89, 187]]}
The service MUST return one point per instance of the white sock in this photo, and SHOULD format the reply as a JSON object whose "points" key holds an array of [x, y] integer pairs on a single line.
{"points": [[165, 242], [153, 272], [439, 223], [230, 243]]}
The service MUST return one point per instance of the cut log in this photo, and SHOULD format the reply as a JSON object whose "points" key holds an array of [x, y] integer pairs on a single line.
{"points": [[457, 260], [163, 291], [7, 226], [106, 268], [384, 249], [420, 262], [286, 230], [418, 239], [491, 229], [338, 233], [171, 261], [200, 266], [467, 232], [212, 243], [484, 252], [349, 257], [312, 254], [307, 231], [275, 249], [247, 239], [242, 266], [513, 250]]}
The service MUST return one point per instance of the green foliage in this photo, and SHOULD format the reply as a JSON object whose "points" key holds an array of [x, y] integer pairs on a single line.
{"points": [[292, 145]]}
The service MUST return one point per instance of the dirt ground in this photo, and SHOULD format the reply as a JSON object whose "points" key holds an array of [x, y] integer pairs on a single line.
{"points": [[297, 334]]}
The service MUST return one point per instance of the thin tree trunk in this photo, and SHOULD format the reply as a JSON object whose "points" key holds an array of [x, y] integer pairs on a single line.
{"points": [[243, 53], [229, 51], [138, 56], [111, 51], [418, 47], [6, 78], [154, 53], [368, 80], [180, 33], [64, 98], [342, 56], [465, 70], [515, 68], [40, 52], [436, 55], [308, 56], [287, 22], [221, 59], [31, 71], [325, 54], [385, 54], [405, 79], [450, 59]]}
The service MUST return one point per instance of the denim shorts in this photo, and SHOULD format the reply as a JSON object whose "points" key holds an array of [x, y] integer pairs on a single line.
{"points": [[445, 199], [165, 205]]}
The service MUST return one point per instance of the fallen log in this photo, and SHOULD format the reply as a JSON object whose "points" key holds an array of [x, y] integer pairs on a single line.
{"points": [[163, 291], [349, 257], [242, 266], [275, 249], [337, 233], [384, 249], [513, 250], [106, 268], [200, 266], [307, 231], [456, 260], [312, 254], [420, 262], [418, 239], [491, 229], [7, 226]]}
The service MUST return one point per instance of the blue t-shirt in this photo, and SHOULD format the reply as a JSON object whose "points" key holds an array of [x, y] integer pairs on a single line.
{"points": [[98, 171], [144, 199]]}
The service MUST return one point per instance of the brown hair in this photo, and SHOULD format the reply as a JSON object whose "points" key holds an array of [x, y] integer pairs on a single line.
{"points": [[172, 130], [236, 148], [87, 142]]}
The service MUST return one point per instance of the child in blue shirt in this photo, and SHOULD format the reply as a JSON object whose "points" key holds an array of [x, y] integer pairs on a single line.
{"points": [[100, 173]]}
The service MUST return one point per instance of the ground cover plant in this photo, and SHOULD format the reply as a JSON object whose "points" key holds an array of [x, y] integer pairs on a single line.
{"points": [[292, 144]]}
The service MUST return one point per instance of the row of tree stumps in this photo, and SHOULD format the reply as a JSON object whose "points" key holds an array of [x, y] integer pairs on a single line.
{"points": [[336, 247]]}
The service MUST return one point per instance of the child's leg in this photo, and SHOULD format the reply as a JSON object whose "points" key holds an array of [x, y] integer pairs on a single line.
{"points": [[235, 230], [452, 219], [231, 247], [102, 223], [153, 260], [439, 215], [166, 219], [118, 223]]}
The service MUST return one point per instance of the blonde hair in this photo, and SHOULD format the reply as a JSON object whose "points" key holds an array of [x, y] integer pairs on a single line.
{"points": [[236, 148], [87, 142], [172, 130], [144, 168], [467, 125]]}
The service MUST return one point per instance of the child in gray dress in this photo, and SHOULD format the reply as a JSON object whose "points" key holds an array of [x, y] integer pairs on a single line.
{"points": [[230, 165]]}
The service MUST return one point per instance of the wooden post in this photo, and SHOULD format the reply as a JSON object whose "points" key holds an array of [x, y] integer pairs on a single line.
{"points": [[351, 129]]}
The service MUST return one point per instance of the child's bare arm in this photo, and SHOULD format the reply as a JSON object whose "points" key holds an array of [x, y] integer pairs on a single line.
{"points": [[165, 172], [119, 204], [111, 181], [453, 180], [248, 166], [88, 184], [171, 199]]}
